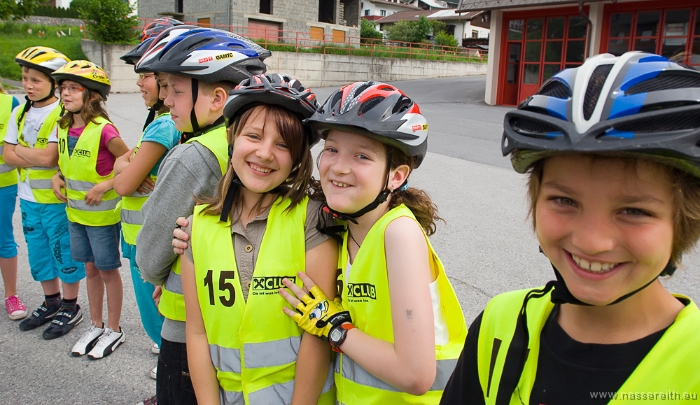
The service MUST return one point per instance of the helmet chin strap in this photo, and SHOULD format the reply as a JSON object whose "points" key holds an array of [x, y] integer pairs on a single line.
{"points": [[52, 93]]}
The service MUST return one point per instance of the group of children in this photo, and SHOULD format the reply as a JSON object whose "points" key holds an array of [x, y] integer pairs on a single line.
{"points": [[283, 289]]}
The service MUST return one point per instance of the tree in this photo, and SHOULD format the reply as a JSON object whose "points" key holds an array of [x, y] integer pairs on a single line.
{"points": [[7, 8], [109, 21], [24, 8], [410, 31], [445, 39], [368, 30]]}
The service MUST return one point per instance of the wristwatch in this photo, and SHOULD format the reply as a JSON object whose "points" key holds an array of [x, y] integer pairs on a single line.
{"points": [[338, 335]]}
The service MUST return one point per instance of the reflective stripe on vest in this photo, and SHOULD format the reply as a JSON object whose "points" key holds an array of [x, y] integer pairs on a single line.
{"points": [[40, 177], [253, 344], [8, 174], [366, 296], [172, 303], [132, 220], [672, 361], [80, 171]]}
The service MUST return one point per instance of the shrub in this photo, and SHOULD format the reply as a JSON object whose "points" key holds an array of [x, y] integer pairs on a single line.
{"points": [[410, 31], [445, 39], [109, 21], [368, 30]]}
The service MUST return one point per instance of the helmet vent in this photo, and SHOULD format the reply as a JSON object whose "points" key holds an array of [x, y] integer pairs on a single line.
{"points": [[665, 82], [362, 88], [556, 89], [402, 105], [370, 104], [532, 127], [595, 86], [675, 122], [336, 98]]}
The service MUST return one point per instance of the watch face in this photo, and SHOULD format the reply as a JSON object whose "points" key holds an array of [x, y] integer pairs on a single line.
{"points": [[335, 335]]}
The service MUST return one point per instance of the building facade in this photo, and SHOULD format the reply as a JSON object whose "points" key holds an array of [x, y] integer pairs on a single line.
{"points": [[531, 40], [460, 25], [264, 18]]}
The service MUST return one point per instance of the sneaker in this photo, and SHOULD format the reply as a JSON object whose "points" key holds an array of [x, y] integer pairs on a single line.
{"points": [[108, 342], [155, 349], [148, 401], [64, 321], [154, 373], [15, 309], [39, 316], [87, 341]]}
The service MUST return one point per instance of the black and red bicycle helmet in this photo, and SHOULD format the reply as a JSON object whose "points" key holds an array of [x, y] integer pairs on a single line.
{"points": [[378, 110], [275, 89]]}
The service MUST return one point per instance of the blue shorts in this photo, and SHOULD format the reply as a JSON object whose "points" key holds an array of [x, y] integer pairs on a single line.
{"points": [[96, 244], [8, 200], [46, 231]]}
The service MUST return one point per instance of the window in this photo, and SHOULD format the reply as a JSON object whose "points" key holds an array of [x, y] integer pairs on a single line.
{"points": [[383, 13], [367, 12], [475, 34], [265, 6]]}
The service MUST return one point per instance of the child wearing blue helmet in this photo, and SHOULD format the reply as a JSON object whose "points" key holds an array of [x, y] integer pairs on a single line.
{"points": [[613, 157]]}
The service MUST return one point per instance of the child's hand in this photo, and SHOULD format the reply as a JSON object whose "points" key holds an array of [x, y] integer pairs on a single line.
{"points": [[180, 237], [156, 294], [94, 196], [59, 185], [314, 312], [146, 186]]}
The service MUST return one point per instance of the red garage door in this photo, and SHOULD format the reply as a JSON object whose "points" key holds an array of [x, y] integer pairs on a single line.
{"points": [[258, 29]]}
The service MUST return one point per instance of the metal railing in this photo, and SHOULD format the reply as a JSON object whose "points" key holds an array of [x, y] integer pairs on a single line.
{"points": [[339, 43]]}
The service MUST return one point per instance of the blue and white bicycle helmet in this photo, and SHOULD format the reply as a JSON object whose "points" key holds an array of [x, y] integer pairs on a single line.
{"points": [[636, 104], [208, 55], [157, 44], [149, 33]]}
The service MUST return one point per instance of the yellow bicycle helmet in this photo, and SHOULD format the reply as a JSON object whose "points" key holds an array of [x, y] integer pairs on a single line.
{"points": [[41, 58], [86, 73]]}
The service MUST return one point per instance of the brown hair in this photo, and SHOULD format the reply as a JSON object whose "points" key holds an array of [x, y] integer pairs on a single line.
{"points": [[93, 107], [2, 89], [418, 201], [295, 135], [210, 87], [686, 201]]}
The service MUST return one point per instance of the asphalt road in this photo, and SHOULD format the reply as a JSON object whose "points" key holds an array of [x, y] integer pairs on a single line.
{"points": [[486, 244]]}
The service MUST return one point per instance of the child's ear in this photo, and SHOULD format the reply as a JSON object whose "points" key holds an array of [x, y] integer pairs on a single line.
{"points": [[219, 100], [399, 176]]}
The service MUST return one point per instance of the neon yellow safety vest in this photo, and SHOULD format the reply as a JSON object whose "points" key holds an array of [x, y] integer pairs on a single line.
{"points": [[132, 219], [80, 171], [366, 296], [40, 177], [172, 303], [253, 344], [8, 174], [671, 365]]}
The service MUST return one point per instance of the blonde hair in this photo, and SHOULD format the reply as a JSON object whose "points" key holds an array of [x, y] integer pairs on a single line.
{"points": [[686, 200], [295, 135]]}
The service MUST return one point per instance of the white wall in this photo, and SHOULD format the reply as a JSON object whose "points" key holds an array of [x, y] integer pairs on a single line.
{"points": [[375, 9], [494, 57]]}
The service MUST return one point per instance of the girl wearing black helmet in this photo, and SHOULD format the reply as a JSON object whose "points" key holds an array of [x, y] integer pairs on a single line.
{"points": [[613, 158], [397, 324], [241, 347]]}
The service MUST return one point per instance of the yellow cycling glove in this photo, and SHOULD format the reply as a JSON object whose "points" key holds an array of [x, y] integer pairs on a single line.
{"points": [[317, 315]]}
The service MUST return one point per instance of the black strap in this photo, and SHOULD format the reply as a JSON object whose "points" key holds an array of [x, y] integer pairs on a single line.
{"points": [[27, 106], [193, 116], [186, 136], [152, 112], [518, 350]]}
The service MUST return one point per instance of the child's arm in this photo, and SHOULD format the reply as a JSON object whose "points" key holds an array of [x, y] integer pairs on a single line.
{"points": [[122, 162], [204, 381], [116, 147], [409, 363], [314, 356], [58, 184], [47, 157], [11, 157], [135, 175]]}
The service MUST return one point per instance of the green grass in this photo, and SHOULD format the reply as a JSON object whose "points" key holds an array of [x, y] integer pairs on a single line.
{"points": [[14, 38]]}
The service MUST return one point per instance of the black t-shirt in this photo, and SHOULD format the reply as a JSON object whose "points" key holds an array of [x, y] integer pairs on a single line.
{"points": [[568, 373]]}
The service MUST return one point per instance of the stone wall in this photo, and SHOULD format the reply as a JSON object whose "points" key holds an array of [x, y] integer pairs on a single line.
{"points": [[51, 21], [121, 75], [314, 70]]}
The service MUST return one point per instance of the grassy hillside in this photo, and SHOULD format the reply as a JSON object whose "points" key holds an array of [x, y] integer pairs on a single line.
{"points": [[14, 38]]}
